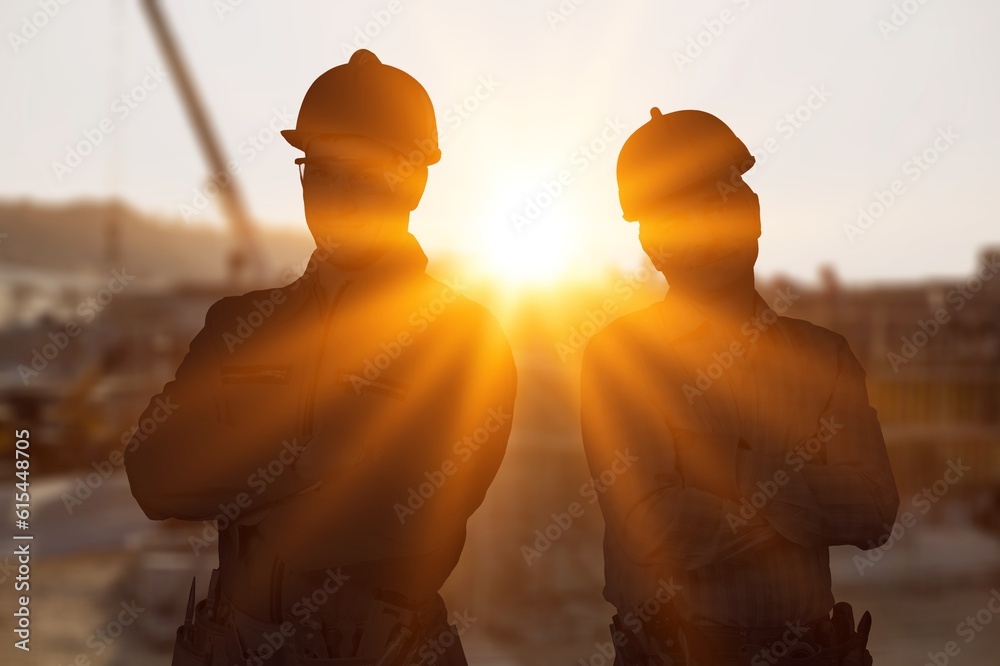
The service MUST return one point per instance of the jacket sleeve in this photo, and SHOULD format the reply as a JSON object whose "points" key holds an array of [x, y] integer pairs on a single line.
{"points": [[648, 508], [849, 499], [461, 456], [182, 460]]}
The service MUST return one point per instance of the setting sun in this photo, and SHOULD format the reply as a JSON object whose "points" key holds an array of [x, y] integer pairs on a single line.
{"points": [[542, 255]]}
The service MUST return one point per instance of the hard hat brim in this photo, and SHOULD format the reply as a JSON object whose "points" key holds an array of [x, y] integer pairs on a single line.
{"points": [[300, 139], [297, 138]]}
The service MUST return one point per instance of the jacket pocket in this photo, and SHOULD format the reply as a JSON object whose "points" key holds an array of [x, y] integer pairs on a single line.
{"points": [[260, 398]]}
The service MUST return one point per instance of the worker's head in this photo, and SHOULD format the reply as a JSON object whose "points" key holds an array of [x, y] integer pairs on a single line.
{"points": [[679, 177], [703, 240], [369, 133]]}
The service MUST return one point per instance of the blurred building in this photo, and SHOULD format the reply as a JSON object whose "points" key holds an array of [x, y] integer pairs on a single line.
{"points": [[932, 355]]}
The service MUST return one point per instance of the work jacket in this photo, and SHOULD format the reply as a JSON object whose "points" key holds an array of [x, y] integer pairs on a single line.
{"points": [[751, 451], [349, 419]]}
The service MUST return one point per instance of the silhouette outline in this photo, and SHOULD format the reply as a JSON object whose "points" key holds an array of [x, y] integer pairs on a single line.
{"points": [[334, 425], [757, 447]]}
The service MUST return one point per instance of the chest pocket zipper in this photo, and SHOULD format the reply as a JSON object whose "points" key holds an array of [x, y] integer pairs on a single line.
{"points": [[310, 398], [356, 383]]}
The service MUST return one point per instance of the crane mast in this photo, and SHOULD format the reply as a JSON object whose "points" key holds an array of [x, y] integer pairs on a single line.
{"points": [[247, 253]]}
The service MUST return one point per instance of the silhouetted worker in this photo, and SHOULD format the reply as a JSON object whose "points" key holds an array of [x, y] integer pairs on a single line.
{"points": [[757, 448], [342, 428]]}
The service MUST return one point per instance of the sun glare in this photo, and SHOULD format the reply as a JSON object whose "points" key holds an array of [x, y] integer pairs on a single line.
{"points": [[542, 255]]}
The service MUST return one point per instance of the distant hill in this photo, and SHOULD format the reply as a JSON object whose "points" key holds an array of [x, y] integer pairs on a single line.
{"points": [[73, 237]]}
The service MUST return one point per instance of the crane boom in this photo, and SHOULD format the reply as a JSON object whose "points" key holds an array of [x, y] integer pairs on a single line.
{"points": [[248, 249]]}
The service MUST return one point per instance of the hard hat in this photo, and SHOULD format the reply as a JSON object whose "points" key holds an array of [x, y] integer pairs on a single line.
{"points": [[674, 152], [367, 99]]}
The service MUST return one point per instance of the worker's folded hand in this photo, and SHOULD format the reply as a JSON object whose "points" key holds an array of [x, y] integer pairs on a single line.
{"points": [[707, 461], [308, 465], [328, 453]]}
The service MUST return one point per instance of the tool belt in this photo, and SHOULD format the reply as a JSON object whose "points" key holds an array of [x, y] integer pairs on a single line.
{"points": [[655, 643], [666, 640], [395, 632]]}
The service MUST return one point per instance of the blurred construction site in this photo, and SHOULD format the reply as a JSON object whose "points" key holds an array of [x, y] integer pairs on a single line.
{"points": [[98, 303]]}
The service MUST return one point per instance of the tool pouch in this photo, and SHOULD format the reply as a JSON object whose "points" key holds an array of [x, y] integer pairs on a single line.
{"points": [[201, 644], [331, 661], [851, 652], [657, 644], [442, 647], [186, 654], [394, 633]]}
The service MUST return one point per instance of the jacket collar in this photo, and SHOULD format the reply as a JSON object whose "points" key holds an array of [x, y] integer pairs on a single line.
{"points": [[682, 316], [404, 259]]}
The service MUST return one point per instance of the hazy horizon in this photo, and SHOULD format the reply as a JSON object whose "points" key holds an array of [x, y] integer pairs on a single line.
{"points": [[532, 86]]}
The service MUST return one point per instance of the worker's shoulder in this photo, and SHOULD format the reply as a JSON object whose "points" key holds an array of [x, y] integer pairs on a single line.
{"points": [[448, 316], [809, 332], [260, 305], [644, 326], [811, 335], [446, 298]]}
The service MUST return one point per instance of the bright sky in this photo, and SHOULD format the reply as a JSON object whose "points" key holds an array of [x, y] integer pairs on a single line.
{"points": [[520, 89]]}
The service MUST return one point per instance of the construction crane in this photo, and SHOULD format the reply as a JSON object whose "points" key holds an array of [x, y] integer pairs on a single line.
{"points": [[247, 254]]}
